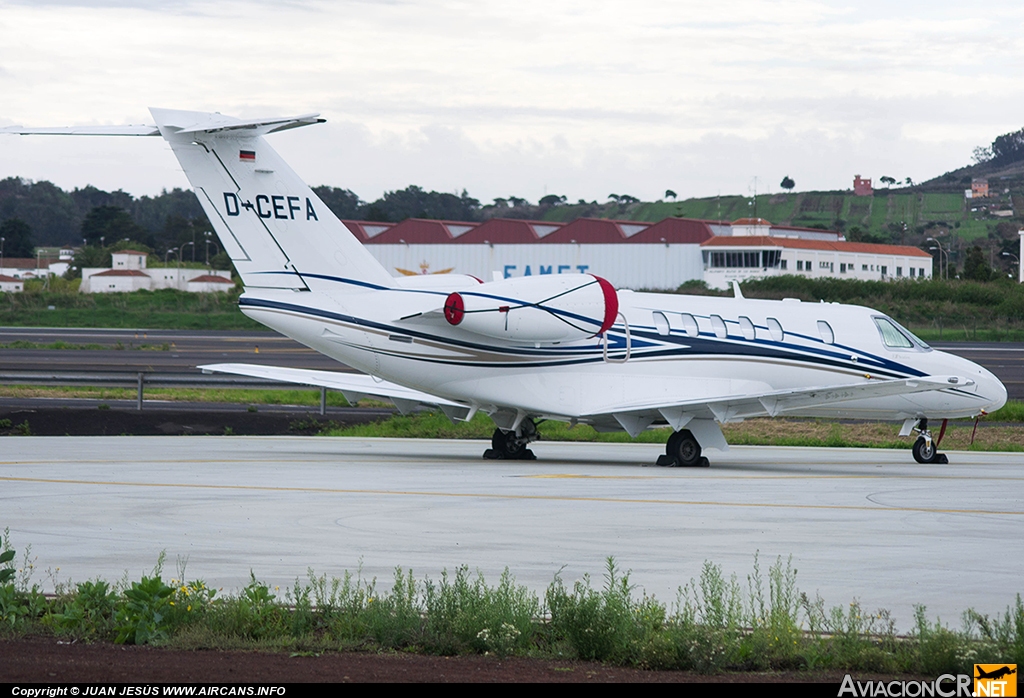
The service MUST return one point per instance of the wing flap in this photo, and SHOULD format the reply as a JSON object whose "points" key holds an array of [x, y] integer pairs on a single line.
{"points": [[772, 404]]}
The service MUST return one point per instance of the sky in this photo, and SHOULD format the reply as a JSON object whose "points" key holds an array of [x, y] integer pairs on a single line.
{"points": [[525, 98]]}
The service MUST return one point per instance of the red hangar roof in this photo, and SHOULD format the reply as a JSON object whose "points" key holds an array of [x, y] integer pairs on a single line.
{"points": [[420, 231], [509, 231]]}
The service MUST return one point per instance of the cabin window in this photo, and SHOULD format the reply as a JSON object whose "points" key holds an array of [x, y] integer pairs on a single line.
{"points": [[661, 323], [825, 330], [775, 329], [747, 328], [689, 324], [718, 325]]}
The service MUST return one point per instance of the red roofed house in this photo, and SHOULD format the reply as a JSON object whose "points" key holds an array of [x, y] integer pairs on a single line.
{"points": [[210, 283], [740, 258], [8, 284]]}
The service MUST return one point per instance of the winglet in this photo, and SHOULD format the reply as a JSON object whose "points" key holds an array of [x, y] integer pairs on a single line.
{"points": [[737, 293]]}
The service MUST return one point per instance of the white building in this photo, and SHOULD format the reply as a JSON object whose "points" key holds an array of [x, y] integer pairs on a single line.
{"points": [[740, 258], [129, 273], [8, 284]]}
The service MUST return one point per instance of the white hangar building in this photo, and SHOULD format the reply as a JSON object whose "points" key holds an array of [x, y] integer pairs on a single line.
{"points": [[630, 254]]}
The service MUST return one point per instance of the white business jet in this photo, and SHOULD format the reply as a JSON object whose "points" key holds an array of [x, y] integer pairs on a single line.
{"points": [[566, 347]]}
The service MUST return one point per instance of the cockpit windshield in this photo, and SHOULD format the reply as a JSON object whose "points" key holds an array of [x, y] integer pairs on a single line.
{"points": [[895, 336]]}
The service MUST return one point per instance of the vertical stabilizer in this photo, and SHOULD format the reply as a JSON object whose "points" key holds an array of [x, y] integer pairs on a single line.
{"points": [[278, 233]]}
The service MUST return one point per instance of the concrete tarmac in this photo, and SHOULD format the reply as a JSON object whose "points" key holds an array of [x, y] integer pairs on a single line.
{"points": [[863, 524]]}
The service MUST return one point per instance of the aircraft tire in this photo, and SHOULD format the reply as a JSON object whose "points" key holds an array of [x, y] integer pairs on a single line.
{"points": [[506, 446], [925, 451], [683, 447]]}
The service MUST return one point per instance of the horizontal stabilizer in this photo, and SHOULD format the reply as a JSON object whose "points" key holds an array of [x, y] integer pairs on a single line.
{"points": [[356, 384], [128, 130], [220, 124]]}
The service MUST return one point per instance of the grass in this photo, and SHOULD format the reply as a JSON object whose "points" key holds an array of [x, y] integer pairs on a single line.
{"points": [[164, 309], [716, 624], [245, 396]]}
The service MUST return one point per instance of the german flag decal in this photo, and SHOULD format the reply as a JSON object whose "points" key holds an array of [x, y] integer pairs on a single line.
{"points": [[247, 155]]}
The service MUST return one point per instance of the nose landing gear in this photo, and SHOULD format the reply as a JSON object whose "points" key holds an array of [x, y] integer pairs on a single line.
{"points": [[926, 449]]}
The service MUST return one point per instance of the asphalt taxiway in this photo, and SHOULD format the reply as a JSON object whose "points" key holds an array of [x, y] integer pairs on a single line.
{"points": [[863, 524]]}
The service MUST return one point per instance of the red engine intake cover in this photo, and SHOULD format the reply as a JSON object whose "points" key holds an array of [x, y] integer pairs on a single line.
{"points": [[454, 309]]}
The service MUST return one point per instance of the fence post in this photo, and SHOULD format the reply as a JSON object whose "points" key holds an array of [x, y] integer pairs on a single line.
{"points": [[323, 401], [138, 403]]}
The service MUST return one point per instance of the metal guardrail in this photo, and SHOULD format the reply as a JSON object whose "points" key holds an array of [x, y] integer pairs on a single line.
{"points": [[140, 380]]}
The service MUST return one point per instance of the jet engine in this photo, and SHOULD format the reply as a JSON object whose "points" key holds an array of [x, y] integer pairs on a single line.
{"points": [[555, 308]]}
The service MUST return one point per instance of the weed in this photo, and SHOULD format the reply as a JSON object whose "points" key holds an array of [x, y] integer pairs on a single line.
{"points": [[89, 612], [608, 625], [143, 617]]}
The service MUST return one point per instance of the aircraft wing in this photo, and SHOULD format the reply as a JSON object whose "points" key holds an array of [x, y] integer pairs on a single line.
{"points": [[354, 386], [634, 418]]}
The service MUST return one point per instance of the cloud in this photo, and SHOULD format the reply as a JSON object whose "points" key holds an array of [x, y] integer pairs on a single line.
{"points": [[573, 95]]}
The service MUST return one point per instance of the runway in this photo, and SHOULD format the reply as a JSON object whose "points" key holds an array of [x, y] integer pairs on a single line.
{"points": [[860, 524], [180, 351]]}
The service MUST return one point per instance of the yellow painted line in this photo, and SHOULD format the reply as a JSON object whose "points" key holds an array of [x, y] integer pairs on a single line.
{"points": [[520, 497]]}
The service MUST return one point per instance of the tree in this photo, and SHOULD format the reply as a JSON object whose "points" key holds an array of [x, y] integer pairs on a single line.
{"points": [[342, 202], [1008, 148], [787, 183], [981, 155], [414, 202], [887, 181], [975, 267], [17, 237], [551, 200], [669, 194], [110, 224]]}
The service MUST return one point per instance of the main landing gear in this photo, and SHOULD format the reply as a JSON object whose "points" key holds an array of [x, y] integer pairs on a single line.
{"points": [[512, 445], [926, 449], [682, 450]]}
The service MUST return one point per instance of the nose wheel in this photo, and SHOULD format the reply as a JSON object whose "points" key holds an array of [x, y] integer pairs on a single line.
{"points": [[926, 449]]}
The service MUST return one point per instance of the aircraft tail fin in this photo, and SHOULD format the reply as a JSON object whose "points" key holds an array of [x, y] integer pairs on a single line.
{"points": [[278, 233]]}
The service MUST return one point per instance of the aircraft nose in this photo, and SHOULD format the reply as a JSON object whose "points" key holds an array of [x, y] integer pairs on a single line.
{"points": [[990, 387]]}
